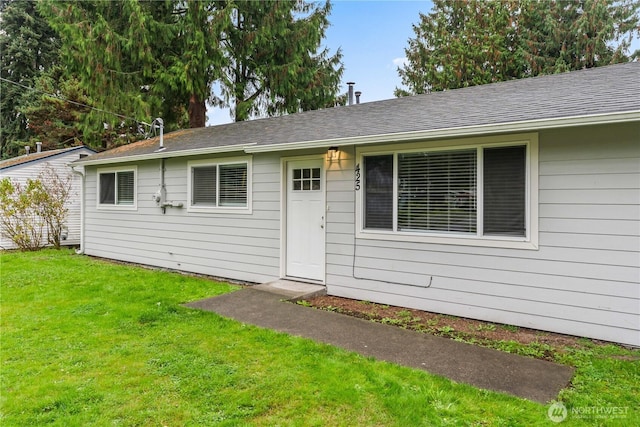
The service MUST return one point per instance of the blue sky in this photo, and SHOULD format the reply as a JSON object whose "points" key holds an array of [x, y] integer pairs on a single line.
{"points": [[372, 35]]}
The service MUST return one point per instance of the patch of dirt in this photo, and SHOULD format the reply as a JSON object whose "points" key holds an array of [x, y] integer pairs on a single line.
{"points": [[541, 345]]}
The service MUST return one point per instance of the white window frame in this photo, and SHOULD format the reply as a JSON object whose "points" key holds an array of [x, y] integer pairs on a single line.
{"points": [[219, 162], [529, 241], [116, 206]]}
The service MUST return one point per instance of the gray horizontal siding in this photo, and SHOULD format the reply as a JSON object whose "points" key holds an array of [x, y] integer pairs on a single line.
{"points": [[584, 211], [555, 303], [236, 246], [583, 280], [590, 326], [562, 265]]}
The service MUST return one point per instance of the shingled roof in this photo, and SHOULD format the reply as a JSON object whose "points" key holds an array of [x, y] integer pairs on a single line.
{"points": [[32, 157], [598, 95]]}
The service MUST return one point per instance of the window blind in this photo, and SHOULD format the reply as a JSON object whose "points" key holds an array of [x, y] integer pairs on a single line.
{"points": [[505, 191], [437, 191], [125, 187], [233, 185], [204, 185]]}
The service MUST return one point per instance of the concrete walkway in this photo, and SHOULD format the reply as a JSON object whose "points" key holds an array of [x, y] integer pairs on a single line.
{"points": [[264, 306]]}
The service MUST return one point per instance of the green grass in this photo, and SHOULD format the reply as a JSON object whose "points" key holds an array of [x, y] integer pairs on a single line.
{"points": [[86, 342]]}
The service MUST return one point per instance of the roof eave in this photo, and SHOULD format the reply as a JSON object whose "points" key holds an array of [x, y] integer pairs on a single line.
{"points": [[162, 154], [455, 132], [37, 159], [478, 130]]}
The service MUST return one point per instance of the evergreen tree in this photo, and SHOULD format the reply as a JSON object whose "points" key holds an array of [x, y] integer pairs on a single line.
{"points": [[114, 50], [28, 48], [570, 35], [193, 60], [274, 65], [466, 43], [53, 120], [146, 59]]}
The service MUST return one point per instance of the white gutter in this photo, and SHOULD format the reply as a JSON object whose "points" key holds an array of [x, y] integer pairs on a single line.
{"points": [[167, 154], [80, 251], [529, 125]]}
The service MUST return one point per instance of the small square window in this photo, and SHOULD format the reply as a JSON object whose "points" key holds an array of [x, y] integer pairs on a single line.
{"points": [[219, 185], [306, 179], [116, 188]]}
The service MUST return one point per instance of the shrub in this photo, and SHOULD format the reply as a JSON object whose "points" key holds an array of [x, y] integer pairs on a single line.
{"points": [[34, 214]]}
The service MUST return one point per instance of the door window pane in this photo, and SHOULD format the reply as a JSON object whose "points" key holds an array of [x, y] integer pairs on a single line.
{"points": [[307, 179]]}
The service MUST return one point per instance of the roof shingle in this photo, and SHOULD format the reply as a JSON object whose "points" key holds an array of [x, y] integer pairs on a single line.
{"points": [[603, 90], [27, 158]]}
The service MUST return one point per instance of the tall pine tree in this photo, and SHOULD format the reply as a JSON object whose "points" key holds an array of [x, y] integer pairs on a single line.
{"points": [[471, 42], [145, 59], [28, 48], [274, 61], [115, 51]]}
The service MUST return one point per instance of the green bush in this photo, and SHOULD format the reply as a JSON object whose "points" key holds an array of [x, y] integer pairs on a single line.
{"points": [[33, 215]]}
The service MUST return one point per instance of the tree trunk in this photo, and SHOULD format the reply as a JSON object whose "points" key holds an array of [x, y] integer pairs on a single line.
{"points": [[197, 112]]}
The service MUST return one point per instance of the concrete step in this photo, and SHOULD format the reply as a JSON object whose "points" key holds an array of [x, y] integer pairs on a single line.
{"points": [[292, 290]]}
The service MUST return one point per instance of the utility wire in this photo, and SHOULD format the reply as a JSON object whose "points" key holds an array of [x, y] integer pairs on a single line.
{"points": [[76, 103]]}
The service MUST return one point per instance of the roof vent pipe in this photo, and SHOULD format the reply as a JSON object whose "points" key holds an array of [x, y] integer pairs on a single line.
{"points": [[358, 93], [38, 147], [27, 149], [350, 84], [160, 124]]}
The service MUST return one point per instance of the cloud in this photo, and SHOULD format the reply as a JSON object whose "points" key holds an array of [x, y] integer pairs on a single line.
{"points": [[400, 62]]}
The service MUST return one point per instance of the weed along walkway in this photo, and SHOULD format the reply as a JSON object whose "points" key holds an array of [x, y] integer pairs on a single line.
{"points": [[263, 306]]}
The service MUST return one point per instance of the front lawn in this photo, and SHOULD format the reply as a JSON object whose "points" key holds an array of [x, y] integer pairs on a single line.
{"points": [[87, 342]]}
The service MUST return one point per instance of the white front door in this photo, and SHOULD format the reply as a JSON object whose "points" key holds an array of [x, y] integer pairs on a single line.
{"points": [[305, 219]]}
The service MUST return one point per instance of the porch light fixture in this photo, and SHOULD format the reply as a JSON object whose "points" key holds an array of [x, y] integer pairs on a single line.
{"points": [[333, 153]]}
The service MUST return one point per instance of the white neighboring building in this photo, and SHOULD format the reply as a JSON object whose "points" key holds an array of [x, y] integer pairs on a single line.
{"points": [[21, 168]]}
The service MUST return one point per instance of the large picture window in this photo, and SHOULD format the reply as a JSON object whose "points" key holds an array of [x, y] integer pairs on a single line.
{"points": [[477, 192], [219, 185], [117, 188], [436, 191]]}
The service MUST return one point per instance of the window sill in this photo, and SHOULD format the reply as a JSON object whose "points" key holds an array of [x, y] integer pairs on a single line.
{"points": [[219, 210], [118, 207], [489, 242]]}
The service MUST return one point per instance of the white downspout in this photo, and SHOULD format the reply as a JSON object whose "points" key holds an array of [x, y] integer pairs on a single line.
{"points": [[80, 251]]}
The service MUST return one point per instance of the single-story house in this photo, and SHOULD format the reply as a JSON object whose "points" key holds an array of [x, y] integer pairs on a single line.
{"points": [[31, 165], [516, 202]]}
